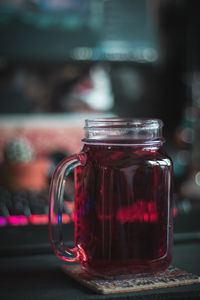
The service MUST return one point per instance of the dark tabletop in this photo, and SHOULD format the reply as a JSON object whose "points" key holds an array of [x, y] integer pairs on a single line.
{"points": [[31, 271]]}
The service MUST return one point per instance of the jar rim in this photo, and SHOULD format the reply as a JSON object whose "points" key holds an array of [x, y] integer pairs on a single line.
{"points": [[115, 122], [124, 131]]}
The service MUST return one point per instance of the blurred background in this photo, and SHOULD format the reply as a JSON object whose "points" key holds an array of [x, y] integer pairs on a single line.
{"points": [[66, 60]]}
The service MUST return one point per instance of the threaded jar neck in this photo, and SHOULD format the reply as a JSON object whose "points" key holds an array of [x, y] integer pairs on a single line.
{"points": [[123, 131]]}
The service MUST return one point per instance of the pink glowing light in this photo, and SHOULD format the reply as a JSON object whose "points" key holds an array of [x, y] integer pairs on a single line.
{"points": [[3, 221], [175, 211], [38, 219], [65, 218], [138, 212], [23, 220], [17, 220]]}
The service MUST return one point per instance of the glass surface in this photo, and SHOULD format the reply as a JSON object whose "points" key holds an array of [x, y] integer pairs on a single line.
{"points": [[123, 219], [123, 131], [123, 200]]}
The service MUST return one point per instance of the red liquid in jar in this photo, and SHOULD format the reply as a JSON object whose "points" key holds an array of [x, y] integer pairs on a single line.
{"points": [[124, 210]]}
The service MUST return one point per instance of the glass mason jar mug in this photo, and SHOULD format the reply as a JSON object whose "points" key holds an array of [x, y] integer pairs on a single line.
{"points": [[123, 199]]}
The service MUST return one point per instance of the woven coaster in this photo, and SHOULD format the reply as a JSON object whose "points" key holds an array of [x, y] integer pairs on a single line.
{"points": [[170, 278]]}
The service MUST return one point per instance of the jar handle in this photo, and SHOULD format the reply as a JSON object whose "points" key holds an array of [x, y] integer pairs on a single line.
{"points": [[56, 205]]}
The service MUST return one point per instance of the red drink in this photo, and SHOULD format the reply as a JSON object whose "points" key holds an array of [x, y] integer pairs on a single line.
{"points": [[123, 199], [123, 212]]}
